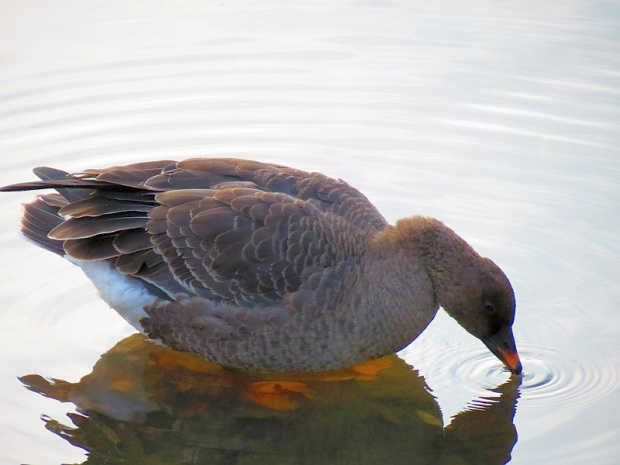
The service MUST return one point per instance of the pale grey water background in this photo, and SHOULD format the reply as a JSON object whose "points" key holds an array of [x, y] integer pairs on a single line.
{"points": [[501, 119]]}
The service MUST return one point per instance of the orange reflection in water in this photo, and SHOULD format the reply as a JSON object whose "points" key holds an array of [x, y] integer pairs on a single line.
{"points": [[144, 401]]}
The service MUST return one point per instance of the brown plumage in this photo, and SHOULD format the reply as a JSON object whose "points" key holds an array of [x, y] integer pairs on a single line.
{"points": [[261, 266]]}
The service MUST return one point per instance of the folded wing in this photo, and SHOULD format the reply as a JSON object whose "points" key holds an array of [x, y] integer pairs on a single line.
{"points": [[221, 229]]}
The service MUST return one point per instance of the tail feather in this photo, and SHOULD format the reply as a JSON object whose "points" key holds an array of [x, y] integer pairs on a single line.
{"points": [[38, 220], [70, 187], [49, 176], [55, 200], [99, 225]]}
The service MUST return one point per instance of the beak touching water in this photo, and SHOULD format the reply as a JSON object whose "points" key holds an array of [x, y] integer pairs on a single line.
{"points": [[502, 345]]}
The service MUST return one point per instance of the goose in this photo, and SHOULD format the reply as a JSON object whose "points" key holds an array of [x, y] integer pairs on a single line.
{"points": [[258, 266]]}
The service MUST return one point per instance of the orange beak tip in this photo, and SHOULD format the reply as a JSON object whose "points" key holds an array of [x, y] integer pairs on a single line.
{"points": [[512, 362]]}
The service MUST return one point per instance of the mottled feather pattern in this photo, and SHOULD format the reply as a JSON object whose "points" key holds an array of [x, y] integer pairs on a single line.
{"points": [[252, 233], [215, 233], [243, 244], [261, 266]]}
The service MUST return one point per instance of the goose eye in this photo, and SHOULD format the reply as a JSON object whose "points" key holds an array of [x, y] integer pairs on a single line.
{"points": [[489, 308]]}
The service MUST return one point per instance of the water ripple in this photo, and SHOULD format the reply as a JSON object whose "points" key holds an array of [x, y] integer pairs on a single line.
{"points": [[550, 377]]}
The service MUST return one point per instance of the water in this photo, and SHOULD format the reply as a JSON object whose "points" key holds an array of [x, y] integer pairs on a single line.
{"points": [[499, 119]]}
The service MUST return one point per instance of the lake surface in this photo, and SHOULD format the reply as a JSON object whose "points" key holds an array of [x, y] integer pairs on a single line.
{"points": [[500, 119]]}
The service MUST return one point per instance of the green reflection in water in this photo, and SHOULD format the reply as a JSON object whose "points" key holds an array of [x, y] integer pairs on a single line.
{"points": [[144, 403]]}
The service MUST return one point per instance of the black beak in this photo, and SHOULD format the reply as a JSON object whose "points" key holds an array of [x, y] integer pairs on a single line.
{"points": [[502, 345]]}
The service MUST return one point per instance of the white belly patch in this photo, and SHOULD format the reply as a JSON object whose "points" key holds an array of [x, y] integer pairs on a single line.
{"points": [[125, 294]]}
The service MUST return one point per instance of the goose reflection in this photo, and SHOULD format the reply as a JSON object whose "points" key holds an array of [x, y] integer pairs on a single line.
{"points": [[144, 403]]}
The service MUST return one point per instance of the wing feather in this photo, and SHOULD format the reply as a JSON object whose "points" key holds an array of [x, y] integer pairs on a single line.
{"points": [[222, 229]]}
